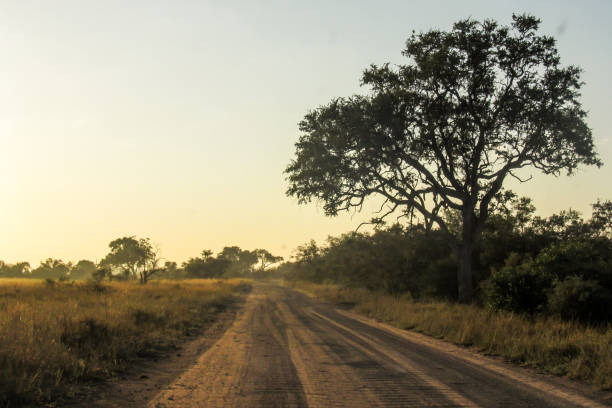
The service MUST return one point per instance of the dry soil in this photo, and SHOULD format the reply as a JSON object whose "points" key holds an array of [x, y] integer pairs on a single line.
{"points": [[287, 350]]}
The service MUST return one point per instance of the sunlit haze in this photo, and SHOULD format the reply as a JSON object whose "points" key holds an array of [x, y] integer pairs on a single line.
{"points": [[174, 120]]}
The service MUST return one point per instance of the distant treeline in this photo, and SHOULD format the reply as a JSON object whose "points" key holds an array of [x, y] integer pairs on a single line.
{"points": [[523, 263], [138, 259]]}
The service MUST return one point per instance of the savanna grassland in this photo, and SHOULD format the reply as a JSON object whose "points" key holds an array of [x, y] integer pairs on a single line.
{"points": [[54, 335], [569, 348]]}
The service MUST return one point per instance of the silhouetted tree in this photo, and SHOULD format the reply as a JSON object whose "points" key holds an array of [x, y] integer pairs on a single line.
{"points": [[266, 259], [83, 269], [134, 258], [18, 270], [52, 269], [441, 134], [206, 268], [241, 261]]}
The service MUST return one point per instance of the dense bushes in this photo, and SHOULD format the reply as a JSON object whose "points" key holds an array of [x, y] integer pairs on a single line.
{"points": [[392, 260], [568, 278], [559, 265], [517, 287], [576, 298]]}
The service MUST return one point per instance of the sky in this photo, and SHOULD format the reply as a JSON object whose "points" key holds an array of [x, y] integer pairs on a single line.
{"points": [[174, 120]]}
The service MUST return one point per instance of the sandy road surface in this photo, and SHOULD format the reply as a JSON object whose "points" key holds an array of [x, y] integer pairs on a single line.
{"points": [[287, 350]]}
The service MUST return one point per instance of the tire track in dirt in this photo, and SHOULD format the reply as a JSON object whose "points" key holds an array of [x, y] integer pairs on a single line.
{"points": [[287, 350]]}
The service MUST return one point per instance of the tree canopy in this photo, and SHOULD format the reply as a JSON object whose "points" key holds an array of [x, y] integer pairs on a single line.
{"points": [[265, 258], [442, 133], [134, 258]]}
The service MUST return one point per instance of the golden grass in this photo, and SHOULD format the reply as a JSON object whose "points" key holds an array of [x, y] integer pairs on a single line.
{"points": [[564, 348], [56, 334]]}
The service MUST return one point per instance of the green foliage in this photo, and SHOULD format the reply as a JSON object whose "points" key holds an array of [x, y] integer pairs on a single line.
{"points": [[393, 260], [133, 258], [579, 258], [573, 277], [575, 298], [517, 287], [523, 261], [442, 132]]}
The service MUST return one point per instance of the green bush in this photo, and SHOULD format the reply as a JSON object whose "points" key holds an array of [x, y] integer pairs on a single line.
{"points": [[517, 287], [579, 299], [573, 258], [568, 278]]}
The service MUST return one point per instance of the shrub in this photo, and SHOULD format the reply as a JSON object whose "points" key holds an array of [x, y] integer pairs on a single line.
{"points": [[517, 287], [577, 298], [86, 337], [573, 258]]}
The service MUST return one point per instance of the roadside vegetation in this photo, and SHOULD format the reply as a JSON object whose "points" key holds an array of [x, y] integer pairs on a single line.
{"points": [[544, 285], [566, 348], [54, 335], [434, 140]]}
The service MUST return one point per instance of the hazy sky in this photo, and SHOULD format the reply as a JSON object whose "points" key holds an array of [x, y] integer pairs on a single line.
{"points": [[174, 120]]}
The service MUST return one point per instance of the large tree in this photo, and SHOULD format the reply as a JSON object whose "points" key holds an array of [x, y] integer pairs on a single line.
{"points": [[442, 133]]}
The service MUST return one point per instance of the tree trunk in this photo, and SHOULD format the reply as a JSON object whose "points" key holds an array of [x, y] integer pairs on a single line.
{"points": [[464, 256], [464, 272]]}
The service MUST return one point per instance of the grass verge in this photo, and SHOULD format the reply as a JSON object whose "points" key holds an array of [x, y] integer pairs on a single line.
{"points": [[55, 335], [559, 347]]}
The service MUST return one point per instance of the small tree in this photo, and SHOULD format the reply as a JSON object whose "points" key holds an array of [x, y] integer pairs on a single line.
{"points": [[266, 259], [441, 134], [83, 269], [135, 258], [151, 264]]}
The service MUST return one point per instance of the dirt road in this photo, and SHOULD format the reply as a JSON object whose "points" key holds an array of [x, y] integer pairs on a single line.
{"points": [[287, 350]]}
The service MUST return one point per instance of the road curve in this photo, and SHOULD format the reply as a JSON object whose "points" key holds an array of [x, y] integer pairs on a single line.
{"points": [[287, 350]]}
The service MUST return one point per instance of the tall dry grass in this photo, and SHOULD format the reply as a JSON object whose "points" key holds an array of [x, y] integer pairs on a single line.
{"points": [[56, 334], [560, 347]]}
